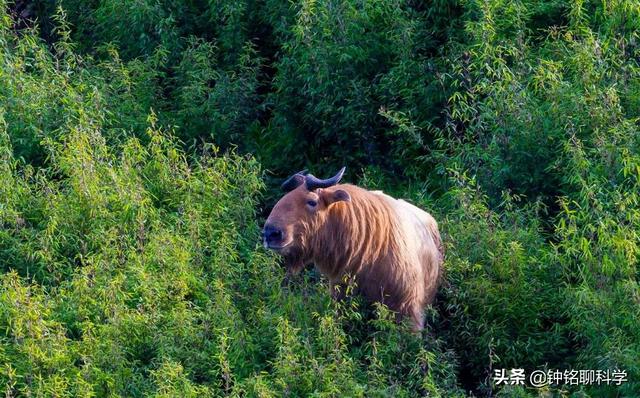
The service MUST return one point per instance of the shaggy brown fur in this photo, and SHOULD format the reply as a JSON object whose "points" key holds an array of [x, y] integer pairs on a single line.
{"points": [[391, 248]]}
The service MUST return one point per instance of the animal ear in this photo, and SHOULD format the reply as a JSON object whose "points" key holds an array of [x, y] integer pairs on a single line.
{"points": [[339, 195]]}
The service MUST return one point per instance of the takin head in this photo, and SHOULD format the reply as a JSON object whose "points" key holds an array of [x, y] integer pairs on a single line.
{"points": [[298, 215]]}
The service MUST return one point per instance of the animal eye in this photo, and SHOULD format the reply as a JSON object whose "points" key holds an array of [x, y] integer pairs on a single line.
{"points": [[312, 203]]}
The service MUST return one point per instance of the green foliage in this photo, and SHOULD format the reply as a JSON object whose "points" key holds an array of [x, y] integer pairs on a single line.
{"points": [[598, 249], [503, 293], [142, 276], [133, 139], [221, 104], [130, 267]]}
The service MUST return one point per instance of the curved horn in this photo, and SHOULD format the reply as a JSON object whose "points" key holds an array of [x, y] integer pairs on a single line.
{"points": [[294, 181], [314, 182]]}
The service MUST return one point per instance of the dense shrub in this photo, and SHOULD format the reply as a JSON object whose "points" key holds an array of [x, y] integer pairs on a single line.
{"points": [[130, 268], [503, 294], [135, 273], [133, 139]]}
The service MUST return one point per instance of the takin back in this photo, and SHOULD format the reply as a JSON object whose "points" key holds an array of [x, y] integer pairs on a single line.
{"points": [[390, 248]]}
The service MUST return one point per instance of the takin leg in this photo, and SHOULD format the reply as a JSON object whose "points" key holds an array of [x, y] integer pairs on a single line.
{"points": [[417, 318], [414, 313]]}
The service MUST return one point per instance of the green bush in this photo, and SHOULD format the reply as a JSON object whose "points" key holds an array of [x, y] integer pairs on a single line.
{"points": [[139, 147], [131, 268], [137, 273], [503, 294]]}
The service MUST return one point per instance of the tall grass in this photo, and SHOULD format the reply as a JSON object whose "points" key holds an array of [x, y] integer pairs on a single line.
{"points": [[140, 142]]}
